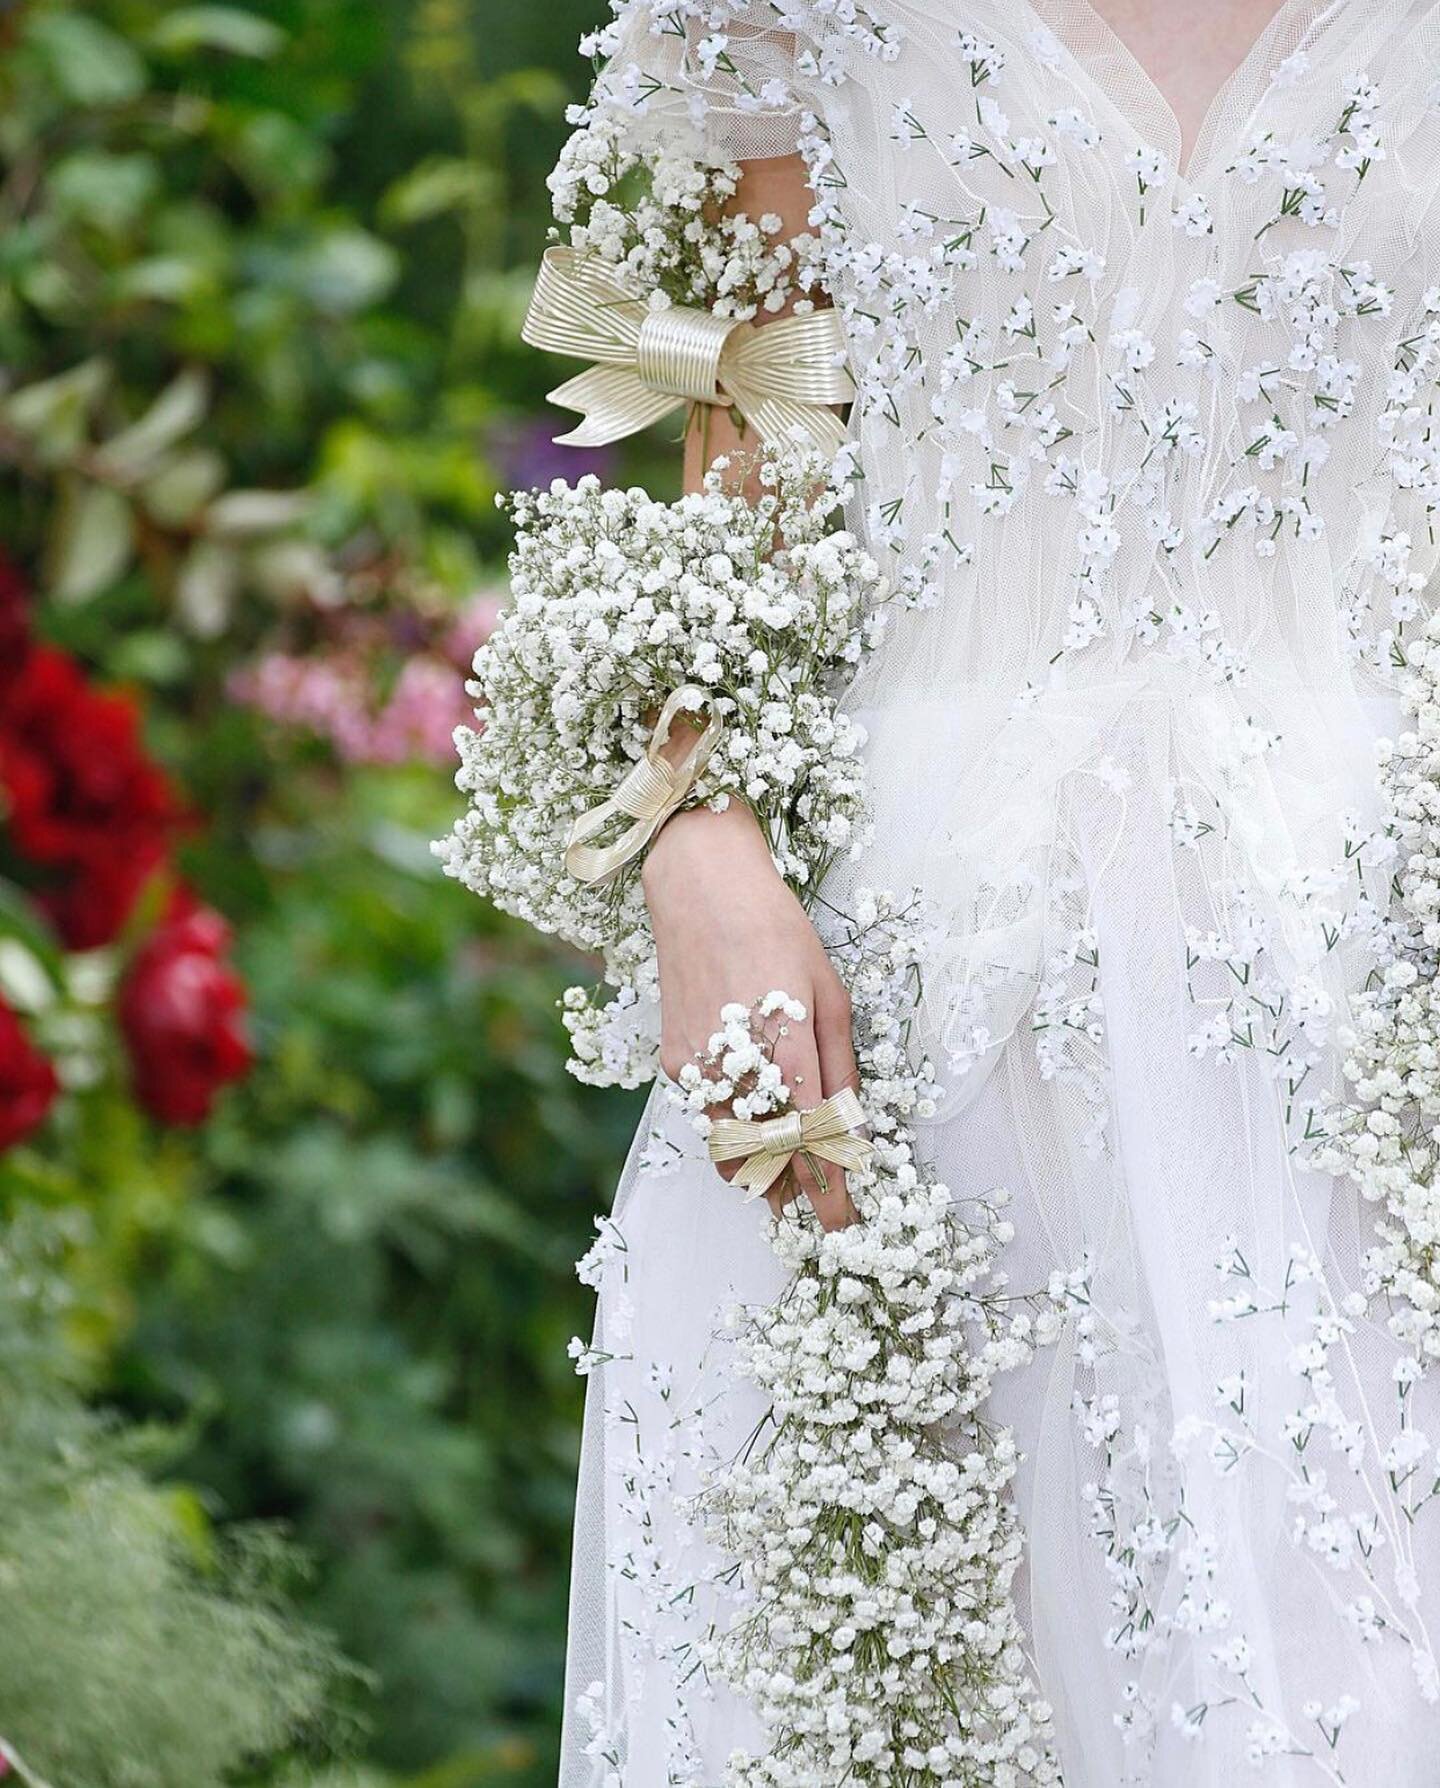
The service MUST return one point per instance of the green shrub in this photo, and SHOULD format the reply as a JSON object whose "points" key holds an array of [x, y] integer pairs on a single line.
{"points": [[139, 1649]]}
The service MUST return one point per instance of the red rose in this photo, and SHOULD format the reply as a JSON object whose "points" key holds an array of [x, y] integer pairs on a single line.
{"points": [[85, 806], [182, 1013], [28, 1084]]}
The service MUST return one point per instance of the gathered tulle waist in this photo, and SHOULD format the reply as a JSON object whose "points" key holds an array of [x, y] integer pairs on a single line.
{"points": [[1155, 800], [1147, 676]]}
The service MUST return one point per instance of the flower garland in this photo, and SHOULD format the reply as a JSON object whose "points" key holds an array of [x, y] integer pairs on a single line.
{"points": [[1388, 1142], [879, 1642], [660, 222]]}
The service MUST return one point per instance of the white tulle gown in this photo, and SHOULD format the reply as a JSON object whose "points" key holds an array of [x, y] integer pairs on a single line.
{"points": [[1156, 446]]}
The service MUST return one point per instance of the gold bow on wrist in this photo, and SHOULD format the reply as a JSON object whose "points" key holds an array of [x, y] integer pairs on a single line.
{"points": [[781, 376], [647, 795], [767, 1147]]}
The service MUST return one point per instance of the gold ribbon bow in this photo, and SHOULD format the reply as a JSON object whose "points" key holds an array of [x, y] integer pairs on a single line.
{"points": [[781, 377], [827, 1130], [647, 795]]}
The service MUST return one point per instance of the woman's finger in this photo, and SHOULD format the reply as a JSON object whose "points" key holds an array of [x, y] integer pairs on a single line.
{"points": [[835, 1041], [798, 1062], [798, 1054]]}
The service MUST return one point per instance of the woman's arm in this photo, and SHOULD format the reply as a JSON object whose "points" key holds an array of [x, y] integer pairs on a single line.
{"points": [[726, 926]]}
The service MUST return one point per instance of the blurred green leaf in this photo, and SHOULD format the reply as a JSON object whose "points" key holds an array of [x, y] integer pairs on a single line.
{"points": [[441, 184], [86, 61], [106, 190], [241, 512], [278, 155], [229, 28], [152, 655], [177, 410], [54, 414], [180, 486], [92, 539], [206, 587], [27, 979], [19, 919], [343, 270]]}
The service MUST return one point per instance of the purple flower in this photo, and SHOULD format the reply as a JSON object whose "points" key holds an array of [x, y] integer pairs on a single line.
{"points": [[529, 459]]}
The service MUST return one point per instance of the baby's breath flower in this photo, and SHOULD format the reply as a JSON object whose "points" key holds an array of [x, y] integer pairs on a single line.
{"points": [[877, 1505], [617, 601], [1388, 1142]]}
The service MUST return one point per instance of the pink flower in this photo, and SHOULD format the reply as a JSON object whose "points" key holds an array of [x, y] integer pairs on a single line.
{"points": [[343, 693], [331, 697], [419, 720], [476, 622]]}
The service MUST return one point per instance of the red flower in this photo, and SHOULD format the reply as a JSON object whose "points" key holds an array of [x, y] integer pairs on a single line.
{"points": [[182, 1012], [14, 624], [28, 1084], [86, 807]]}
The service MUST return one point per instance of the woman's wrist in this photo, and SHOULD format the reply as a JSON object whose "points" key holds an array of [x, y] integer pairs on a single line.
{"points": [[694, 838]]}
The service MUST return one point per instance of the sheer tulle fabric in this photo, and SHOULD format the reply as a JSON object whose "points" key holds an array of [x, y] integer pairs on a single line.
{"points": [[1152, 838]]}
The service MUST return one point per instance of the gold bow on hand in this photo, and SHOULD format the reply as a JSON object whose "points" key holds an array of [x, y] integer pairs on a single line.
{"points": [[827, 1131], [781, 377], [649, 792]]}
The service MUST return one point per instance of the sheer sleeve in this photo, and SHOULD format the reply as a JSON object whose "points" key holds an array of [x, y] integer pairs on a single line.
{"points": [[724, 73]]}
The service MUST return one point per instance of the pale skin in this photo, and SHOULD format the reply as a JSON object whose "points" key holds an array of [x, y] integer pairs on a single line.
{"points": [[726, 926]]}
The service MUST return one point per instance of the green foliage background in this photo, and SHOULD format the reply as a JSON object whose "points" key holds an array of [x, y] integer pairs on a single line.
{"points": [[249, 251]]}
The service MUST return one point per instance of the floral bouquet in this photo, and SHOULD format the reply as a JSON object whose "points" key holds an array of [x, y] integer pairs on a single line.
{"points": [[631, 616]]}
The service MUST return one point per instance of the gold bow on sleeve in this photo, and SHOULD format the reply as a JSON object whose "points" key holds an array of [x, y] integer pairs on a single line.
{"points": [[767, 1148], [781, 376], [647, 795]]}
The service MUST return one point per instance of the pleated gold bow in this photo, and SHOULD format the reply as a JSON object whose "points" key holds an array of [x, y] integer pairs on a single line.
{"points": [[647, 795], [827, 1131], [781, 376]]}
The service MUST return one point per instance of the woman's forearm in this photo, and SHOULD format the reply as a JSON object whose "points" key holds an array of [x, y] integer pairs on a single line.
{"points": [[776, 187]]}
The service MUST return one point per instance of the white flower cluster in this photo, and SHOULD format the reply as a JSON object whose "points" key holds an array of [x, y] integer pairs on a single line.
{"points": [[880, 1642], [738, 1069], [662, 223], [1390, 1145], [619, 600]]}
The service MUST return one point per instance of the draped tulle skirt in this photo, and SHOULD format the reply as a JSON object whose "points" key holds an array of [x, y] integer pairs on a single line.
{"points": [[1155, 898]]}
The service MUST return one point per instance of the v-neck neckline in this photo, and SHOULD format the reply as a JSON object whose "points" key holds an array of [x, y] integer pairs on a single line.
{"points": [[1071, 20]]}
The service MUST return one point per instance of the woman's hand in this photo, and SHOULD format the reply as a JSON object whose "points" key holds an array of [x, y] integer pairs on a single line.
{"points": [[728, 929]]}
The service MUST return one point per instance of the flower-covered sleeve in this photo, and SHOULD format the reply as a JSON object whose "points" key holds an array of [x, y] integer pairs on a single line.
{"points": [[646, 184], [724, 74]]}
